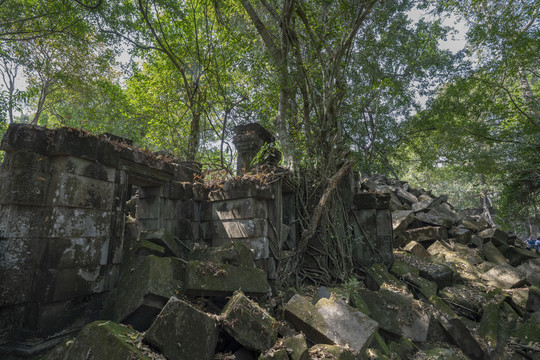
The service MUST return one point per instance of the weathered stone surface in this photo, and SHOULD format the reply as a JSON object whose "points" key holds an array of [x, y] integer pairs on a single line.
{"points": [[244, 228], [417, 249], [529, 331], [143, 292], [461, 235], [492, 254], [464, 300], [331, 321], [248, 208], [378, 276], [164, 238], [439, 273], [401, 220], [475, 224], [456, 329], [409, 319], [445, 212], [531, 270], [533, 299], [497, 236], [240, 190], [422, 205], [258, 246], [504, 276], [516, 256], [371, 200], [298, 346], [421, 285], [429, 233], [324, 351], [211, 279], [234, 253], [183, 332], [433, 219], [406, 197], [439, 248], [275, 354], [100, 340], [248, 323]]}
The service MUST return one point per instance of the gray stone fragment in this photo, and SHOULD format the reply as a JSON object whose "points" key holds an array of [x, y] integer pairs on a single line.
{"points": [[142, 293], [504, 276], [211, 279], [497, 236], [533, 299], [406, 197], [235, 253], [422, 205], [461, 235], [100, 340], [445, 211], [433, 219], [183, 332], [428, 233], [331, 321], [298, 346], [401, 220], [163, 238], [531, 269], [516, 256], [409, 317], [325, 351], [492, 254], [248, 323], [417, 249], [475, 224]]}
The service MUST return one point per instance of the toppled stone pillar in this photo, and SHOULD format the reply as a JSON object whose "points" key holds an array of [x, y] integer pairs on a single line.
{"points": [[249, 140]]}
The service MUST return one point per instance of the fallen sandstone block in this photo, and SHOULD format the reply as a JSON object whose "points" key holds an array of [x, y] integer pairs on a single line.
{"points": [[504, 276], [211, 279], [409, 317], [182, 332], [492, 254], [100, 340], [142, 292], [331, 321], [497, 236], [248, 323]]}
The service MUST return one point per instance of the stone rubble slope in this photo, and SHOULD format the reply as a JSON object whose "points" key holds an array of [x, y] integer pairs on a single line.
{"points": [[457, 289]]}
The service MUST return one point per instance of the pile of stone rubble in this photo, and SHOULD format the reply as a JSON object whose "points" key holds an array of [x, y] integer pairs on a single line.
{"points": [[457, 289]]}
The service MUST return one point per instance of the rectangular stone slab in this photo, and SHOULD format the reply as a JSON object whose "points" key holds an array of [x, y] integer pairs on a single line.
{"points": [[210, 279], [331, 321], [182, 332]]}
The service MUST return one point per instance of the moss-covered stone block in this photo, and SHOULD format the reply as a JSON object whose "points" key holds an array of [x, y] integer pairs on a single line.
{"points": [[182, 332], [504, 276], [248, 323], [234, 253], [163, 238], [331, 321], [144, 289], [409, 317], [404, 348], [378, 276], [325, 351], [275, 354], [296, 347], [100, 340], [211, 279]]}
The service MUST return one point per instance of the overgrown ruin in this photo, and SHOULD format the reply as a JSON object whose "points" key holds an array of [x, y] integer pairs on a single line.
{"points": [[91, 227]]}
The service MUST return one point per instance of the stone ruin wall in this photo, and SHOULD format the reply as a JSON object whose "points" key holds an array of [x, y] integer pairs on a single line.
{"points": [[63, 197]]}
